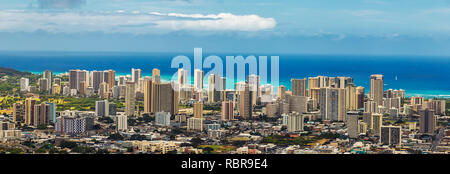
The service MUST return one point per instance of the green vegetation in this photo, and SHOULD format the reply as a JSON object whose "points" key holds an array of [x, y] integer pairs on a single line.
{"points": [[81, 104], [287, 141], [12, 72], [212, 149], [212, 107], [116, 137]]}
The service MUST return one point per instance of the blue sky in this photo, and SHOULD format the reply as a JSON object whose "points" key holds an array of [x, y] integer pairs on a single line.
{"points": [[407, 27]]}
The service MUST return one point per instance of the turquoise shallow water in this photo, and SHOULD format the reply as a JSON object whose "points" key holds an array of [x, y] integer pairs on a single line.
{"points": [[425, 76]]}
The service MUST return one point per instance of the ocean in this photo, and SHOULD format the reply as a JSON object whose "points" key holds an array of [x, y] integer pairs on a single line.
{"points": [[427, 76]]}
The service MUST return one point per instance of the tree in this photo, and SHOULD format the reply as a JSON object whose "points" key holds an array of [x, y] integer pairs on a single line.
{"points": [[116, 137], [196, 141], [208, 149], [42, 127]]}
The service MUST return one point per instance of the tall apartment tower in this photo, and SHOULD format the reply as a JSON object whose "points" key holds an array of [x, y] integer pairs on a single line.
{"points": [[136, 74], [295, 122], [198, 80], [156, 75], [213, 88], [102, 108], [24, 84], [147, 95], [245, 105], [182, 77], [49, 76], [352, 125], [41, 114], [281, 91], [111, 78], [43, 84], [391, 135], [198, 110], [376, 88], [427, 121], [332, 104], [360, 93], [253, 84], [164, 98], [29, 111], [18, 112], [227, 110], [299, 87], [73, 79], [122, 122], [351, 100], [130, 99]]}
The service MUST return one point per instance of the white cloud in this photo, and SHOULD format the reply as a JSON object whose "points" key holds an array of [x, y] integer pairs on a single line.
{"points": [[222, 21], [128, 22]]}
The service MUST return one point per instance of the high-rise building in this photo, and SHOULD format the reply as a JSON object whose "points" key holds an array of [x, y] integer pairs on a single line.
{"points": [[342, 82], [130, 99], [299, 87], [195, 124], [18, 112], [437, 105], [103, 90], [371, 106], [162, 118], [253, 84], [213, 88], [427, 121], [332, 104], [324, 81], [111, 78], [245, 105], [352, 125], [41, 114], [391, 135], [182, 77], [164, 98], [376, 88], [102, 108], [295, 122], [313, 83], [281, 91], [96, 79], [298, 104], [51, 112], [156, 75], [272, 109], [122, 123], [29, 111], [198, 110], [227, 110], [49, 76], [417, 100], [73, 125], [136, 74], [360, 93], [376, 123], [73, 79], [198, 80], [351, 100], [83, 80], [43, 84], [147, 95], [24, 84]]}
